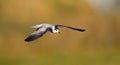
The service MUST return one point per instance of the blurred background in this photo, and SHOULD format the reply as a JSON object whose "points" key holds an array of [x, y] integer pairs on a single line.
{"points": [[98, 45]]}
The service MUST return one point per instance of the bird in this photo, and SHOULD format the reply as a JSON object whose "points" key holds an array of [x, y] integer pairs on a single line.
{"points": [[41, 29]]}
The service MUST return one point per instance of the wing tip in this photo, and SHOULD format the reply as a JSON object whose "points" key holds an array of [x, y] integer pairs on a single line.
{"points": [[82, 30], [28, 40]]}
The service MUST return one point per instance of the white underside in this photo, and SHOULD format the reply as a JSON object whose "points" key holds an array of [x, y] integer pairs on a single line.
{"points": [[54, 31]]}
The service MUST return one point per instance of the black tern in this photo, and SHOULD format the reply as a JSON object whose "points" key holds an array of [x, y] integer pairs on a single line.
{"points": [[41, 29]]}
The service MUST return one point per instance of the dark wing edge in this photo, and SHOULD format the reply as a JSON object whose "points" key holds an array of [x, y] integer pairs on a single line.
{"points": [[34, 36], [78, 29]]}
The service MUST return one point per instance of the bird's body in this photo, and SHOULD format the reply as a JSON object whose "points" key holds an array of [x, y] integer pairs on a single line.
{"points": [[49, 27], [43, 28]]}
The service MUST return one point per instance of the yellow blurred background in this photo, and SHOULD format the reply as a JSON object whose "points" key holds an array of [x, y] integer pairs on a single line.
{"points": [[98, 45]]}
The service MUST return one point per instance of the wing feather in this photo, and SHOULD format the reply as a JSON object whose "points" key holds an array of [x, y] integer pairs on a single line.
{"points": [[78, 29], [36, 34]]}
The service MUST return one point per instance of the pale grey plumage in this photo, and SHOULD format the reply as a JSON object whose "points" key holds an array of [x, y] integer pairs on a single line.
{"points": [[41, 29]]}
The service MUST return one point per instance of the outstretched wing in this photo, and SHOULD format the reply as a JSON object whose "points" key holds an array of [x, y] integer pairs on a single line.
{"points": [[78, 29], [38, 33]]}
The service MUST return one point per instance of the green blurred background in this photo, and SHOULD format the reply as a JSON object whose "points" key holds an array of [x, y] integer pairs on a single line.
{"points": [[98, 45]]}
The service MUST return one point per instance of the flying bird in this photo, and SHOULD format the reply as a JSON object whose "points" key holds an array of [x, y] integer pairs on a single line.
{"points": [[41, 29]]}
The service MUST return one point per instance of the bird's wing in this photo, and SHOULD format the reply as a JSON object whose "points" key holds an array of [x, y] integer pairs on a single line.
{"points": [[78, 29], [40, 32]]}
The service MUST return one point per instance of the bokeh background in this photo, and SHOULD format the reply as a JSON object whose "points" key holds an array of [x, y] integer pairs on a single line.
{"points": [[98, 45]]}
